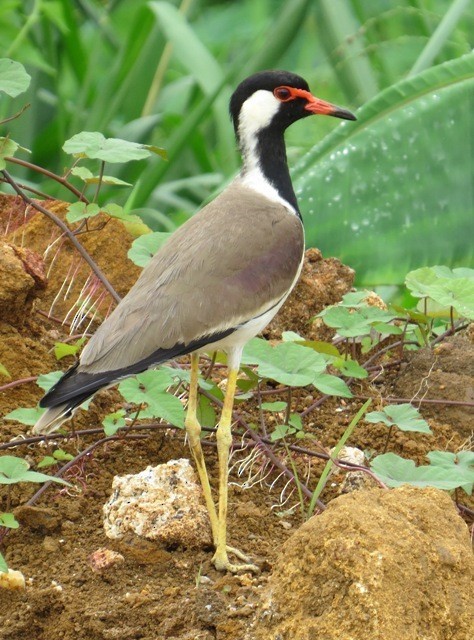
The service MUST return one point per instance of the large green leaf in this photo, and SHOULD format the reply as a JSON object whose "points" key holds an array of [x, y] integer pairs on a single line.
{"points": [[394, 190]]}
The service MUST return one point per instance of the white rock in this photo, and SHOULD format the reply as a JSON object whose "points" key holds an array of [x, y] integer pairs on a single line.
{"points": [[163, 503], [350, 454], [353, 480], [12, 581]]}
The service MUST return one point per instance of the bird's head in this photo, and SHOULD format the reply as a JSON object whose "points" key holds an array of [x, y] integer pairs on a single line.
{"points": [[276, 99]]}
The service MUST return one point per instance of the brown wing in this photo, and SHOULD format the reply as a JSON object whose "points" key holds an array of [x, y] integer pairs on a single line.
{"points": [[234, 259]]}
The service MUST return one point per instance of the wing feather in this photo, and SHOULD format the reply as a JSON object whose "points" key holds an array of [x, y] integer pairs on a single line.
{"points": [[202, 282]]}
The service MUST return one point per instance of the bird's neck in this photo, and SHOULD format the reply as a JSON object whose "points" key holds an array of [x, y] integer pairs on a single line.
{"points": [[265, 166]]}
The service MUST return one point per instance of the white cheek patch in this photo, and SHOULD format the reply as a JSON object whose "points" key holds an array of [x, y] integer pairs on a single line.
{"points": [[257, 113]]}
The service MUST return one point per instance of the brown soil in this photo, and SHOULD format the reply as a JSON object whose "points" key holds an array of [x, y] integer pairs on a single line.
{"points": [[175, 593], [420, 579]]}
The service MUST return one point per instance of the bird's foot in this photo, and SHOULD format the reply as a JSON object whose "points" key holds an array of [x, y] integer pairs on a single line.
{"points": [[222, 563]]}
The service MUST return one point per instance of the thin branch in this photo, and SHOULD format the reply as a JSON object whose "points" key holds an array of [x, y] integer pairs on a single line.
{"points": [[75, 460], [65, 183], [69, 234], [457, 403], [17, 383], [15, 116], [30, 189], [99, 184]]}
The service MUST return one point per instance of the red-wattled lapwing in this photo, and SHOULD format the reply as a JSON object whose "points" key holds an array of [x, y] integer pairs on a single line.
{"points": [[216, 283]]}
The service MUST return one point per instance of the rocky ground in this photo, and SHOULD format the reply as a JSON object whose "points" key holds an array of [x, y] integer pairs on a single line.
{"points": [[377, 564]]}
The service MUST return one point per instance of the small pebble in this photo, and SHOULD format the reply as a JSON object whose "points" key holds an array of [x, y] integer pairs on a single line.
{"points": [[12, 581]]}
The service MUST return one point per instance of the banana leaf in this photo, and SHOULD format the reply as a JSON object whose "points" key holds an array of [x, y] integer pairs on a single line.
{"points": [[395, 191]]}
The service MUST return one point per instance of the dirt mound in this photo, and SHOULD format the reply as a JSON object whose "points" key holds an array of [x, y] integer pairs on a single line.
{"points": [[69, 277], [323, 281], [384, 565], [447, 373]]}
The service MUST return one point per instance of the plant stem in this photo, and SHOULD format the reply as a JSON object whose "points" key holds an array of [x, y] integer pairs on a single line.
{"points": [[17, 383], [99, 184], [49, 174], [297, 480], [457, 403], [330, 463], [389, 434], [161, 68], [15, 116], [33, 17], [75, 460], [288, 406]]}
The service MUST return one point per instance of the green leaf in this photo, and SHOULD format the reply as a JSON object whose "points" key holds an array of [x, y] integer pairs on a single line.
{"points": [[28, 416], [158, 151], [460, 464], [281, 431], [274, 406], [291, 336], [4, 371], [340, 31], [296, 421], [89, 178], [367, 185], [149, 388], [13, 77], [92, 144], [82, 172], [332, 385], [197, 59], [144, 248], [287, 363], [116, 211], [350, 368], [326, 348], [387, 329], [355, 322], [206, 413], [48, 380], [3, 565], [62, 456], [395, 471], [63, 349], [8, 147], [47, 461], [8, 520], [404, 416], [113, 422], [448, 288], [13, 470], [80, 210]]}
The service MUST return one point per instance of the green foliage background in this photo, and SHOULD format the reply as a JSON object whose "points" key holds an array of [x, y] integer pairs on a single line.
{"points": [[390, 193]]}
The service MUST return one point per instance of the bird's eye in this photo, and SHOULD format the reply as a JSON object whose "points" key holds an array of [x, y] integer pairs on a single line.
{"points": [[283, 94]]}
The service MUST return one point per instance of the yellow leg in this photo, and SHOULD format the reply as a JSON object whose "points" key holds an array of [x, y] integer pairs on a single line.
{"points": [[193, 429], [224, 440]]}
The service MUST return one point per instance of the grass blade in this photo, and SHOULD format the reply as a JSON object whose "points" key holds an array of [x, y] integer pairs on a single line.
{"points": [[440, 36], [329, 465]]}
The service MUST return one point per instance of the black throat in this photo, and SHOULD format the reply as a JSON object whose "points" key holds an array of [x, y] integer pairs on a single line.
{"points": [[271, 153]]}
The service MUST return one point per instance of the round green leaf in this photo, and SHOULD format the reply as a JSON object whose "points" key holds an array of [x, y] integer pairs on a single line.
{"points": [[144, 248], [92, 144], [13, 77]]}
